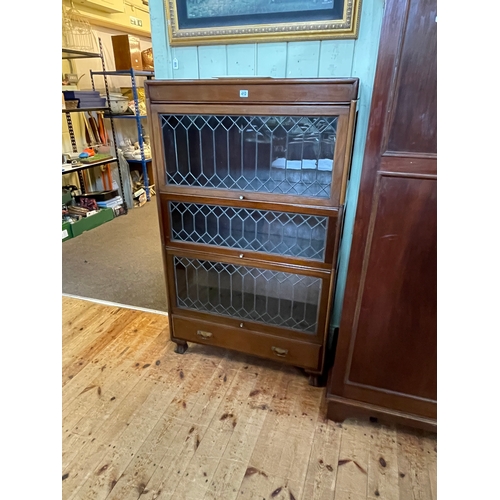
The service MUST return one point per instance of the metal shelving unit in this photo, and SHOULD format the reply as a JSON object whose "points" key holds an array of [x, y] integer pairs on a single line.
{"points": [[81, 110], [133, 75], [125, 115], [79, 54], [85, 166]]}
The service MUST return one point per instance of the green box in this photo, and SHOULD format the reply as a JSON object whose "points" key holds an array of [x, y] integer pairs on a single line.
{"points": [[67, 231], [87, 223]]}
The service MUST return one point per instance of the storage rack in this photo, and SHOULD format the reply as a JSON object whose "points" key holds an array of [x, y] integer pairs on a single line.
{"points": [[79, 54], [133, 75]]}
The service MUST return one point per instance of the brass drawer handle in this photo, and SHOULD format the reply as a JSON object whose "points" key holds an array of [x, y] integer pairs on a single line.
{"points": [[203, 334], [279, 351]]}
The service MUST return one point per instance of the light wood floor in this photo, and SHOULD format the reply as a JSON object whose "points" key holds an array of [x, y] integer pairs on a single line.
{"points": [[140, 421]]}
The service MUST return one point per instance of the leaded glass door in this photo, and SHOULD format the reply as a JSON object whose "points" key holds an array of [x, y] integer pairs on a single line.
{"points": [[270, 234], [257, 156], [275, 297]]}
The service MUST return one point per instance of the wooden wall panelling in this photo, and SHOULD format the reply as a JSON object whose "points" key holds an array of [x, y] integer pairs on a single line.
{"points": [[212, 60], [241, 59], [336, 58], [187, 59], [159, 37], [302, 60], [271, 59]]}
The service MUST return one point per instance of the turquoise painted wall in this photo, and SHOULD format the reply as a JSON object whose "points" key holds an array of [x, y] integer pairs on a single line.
{"points": [[323, 58]]}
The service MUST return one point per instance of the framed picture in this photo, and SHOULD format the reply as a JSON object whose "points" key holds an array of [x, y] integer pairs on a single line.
{"points": [[202, 22]]}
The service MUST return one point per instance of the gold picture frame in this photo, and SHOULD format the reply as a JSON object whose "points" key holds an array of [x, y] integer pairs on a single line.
{"points": [[212, 22]]}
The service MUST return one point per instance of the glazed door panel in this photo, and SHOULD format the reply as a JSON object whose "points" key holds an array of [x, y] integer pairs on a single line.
{"points": [[271, 297], [293, 154], [269, 154], [280, 233]]}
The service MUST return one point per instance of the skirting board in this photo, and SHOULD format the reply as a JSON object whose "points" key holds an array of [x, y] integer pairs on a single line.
{"points": [[338, 409], [114, 304]]}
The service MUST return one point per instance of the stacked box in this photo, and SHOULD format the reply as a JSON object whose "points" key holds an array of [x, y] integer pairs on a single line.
{"points": [[85, 98]]}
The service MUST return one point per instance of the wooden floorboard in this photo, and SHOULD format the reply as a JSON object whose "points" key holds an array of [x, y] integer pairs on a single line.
{"points": [[142, 422]]}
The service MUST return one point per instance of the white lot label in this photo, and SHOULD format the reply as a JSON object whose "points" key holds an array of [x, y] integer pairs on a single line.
{"points": [[243, 93]]}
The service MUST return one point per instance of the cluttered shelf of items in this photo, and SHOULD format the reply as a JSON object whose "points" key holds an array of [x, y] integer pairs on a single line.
{"points": [[111, 159]]}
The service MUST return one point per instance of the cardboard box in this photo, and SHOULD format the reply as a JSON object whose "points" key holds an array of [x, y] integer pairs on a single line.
{"points": [[127, 52], [118, 210], [141, 200], [87, 223]]}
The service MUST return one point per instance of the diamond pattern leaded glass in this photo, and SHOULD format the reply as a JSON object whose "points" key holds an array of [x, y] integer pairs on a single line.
{"points": [[280, 233], [272, 154], [271, 297]]}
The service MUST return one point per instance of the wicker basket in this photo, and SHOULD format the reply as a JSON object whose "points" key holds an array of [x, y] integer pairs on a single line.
{"points": [[71, 104]]}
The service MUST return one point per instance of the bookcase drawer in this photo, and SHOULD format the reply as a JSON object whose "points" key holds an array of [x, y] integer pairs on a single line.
{"points": [[293, 352]]}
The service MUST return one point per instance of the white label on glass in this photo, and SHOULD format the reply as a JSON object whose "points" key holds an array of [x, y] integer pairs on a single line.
{"points": [[243, 93]]}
